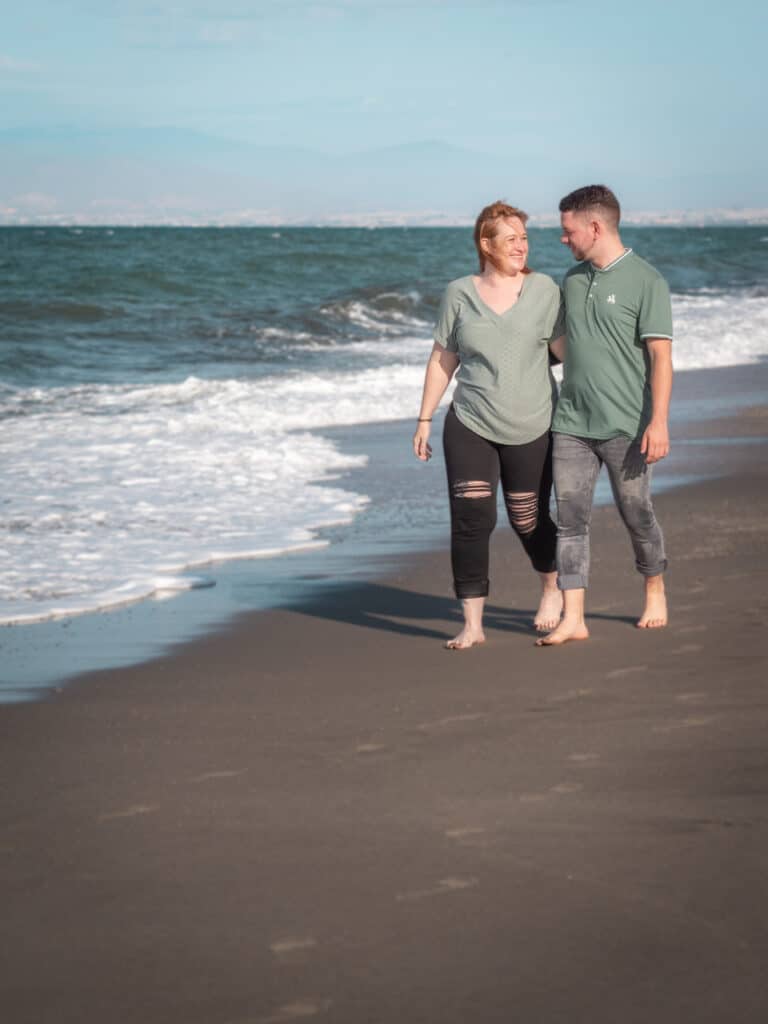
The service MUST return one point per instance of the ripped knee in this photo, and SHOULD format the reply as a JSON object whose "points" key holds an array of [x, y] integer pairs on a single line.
{"points": [[523, 511], [472, 489]]}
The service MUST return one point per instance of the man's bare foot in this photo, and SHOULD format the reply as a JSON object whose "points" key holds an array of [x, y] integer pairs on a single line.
{"points": [[567, 630], [465, 639], [549, 611], [655, 612]]}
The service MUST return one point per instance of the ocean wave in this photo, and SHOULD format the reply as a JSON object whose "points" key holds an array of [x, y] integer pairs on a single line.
{"points": [[110, 486]]}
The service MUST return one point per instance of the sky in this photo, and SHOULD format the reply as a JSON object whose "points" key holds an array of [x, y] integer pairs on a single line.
{"points": [[347, 111]]}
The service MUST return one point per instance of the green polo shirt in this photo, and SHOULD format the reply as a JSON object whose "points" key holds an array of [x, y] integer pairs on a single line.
{"points": [[504, 387], [606, 377]]}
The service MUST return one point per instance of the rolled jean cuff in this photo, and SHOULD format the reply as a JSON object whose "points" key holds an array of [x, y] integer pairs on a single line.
{"points": [[655, 570], [471, 588], [572, 582]]}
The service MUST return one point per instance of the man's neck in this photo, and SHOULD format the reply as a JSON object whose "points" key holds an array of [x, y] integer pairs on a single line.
{"points": [[608, 253]]}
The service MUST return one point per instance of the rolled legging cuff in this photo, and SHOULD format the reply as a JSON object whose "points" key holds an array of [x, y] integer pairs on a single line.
{"points": [[573, 581], [545, 565], [473, 588]]}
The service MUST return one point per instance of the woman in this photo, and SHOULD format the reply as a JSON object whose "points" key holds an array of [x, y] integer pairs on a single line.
{"points": [[498, 328]]}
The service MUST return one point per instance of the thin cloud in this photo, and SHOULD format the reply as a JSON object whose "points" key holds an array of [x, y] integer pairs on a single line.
{"points": [[15, 66]]}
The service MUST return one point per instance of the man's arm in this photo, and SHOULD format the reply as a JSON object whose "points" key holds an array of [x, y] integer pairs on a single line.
{"points": [[655, 442], [557, 348]]}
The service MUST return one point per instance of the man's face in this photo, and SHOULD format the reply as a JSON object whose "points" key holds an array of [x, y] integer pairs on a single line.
{"points": [[578, 233]]}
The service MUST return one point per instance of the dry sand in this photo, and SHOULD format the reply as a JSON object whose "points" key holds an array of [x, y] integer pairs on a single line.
{"points": [[320, 814]]}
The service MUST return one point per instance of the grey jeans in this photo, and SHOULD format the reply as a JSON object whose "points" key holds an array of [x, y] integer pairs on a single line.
{"points": [[576, 462]]}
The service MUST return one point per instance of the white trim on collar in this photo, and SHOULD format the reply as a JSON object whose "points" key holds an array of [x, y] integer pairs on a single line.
{"points": [[602, 270]]}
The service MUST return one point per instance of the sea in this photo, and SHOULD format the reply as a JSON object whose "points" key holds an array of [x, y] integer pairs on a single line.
{"points": [[172, 399]]}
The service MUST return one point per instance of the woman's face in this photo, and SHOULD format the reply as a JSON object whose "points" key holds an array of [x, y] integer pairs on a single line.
{"points": [[507, 248]]}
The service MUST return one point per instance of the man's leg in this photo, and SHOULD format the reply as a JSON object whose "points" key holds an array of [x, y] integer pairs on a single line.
{"points": [[576, 466], [630, 478]]}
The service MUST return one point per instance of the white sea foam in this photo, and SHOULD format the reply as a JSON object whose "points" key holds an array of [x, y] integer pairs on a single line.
{"points": [[112, 492], [719, 330]]}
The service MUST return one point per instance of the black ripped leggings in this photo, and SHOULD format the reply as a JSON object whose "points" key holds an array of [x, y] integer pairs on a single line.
{"points": [[474, 466]]}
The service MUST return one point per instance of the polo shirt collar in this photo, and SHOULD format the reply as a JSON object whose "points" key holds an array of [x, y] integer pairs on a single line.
{"points": [[604, 270]]}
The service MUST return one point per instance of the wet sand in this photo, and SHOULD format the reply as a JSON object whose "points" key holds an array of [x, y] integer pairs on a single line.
{"points": [[318, 813]]}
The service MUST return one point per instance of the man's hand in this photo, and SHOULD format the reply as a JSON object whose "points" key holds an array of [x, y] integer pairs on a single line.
{"points": [[421, 447], [655, 442]]}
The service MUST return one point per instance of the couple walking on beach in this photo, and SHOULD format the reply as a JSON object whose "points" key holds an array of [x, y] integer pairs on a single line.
{"points": [[498, 331]]}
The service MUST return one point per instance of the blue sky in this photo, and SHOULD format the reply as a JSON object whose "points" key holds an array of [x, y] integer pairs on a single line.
{"points": [[282, 110]]}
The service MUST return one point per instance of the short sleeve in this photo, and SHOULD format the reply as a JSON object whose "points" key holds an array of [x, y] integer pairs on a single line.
{"points": [[445, 328], [655, 319]]}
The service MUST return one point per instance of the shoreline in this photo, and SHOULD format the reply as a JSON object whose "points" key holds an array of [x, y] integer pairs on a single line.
{"points": [[317, 811], [406, 516]]}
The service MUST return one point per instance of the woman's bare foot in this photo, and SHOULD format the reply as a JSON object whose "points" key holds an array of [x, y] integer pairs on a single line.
{"points": [[551, 604], [567, 630], [465, 639], [472, 633], [655, 612]]}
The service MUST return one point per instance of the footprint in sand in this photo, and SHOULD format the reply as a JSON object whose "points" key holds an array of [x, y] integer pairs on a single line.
{"points": [[369, 748], [618, 673], [298, 1010], [291, 947], [567, 787], [561, 789], [561, 698], [685, 723], [131, 812], [452, 720], [445, 885], [207, 776], [687, 649], [468, 835]]}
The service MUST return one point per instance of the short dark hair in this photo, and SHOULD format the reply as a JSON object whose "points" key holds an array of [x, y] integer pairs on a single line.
{"points": [[591, 197]]}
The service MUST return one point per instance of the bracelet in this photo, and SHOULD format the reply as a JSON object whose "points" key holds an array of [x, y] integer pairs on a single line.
{"points": [[424, 420]]}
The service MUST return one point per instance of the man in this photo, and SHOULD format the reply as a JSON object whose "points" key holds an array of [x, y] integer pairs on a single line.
{"points": [[614, 403]]}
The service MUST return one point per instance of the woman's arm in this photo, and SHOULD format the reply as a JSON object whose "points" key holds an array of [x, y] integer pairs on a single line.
{"points": [[440, 368]]}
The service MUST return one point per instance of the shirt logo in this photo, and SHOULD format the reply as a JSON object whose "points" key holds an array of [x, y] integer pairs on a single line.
{"points": [[612, 299]]}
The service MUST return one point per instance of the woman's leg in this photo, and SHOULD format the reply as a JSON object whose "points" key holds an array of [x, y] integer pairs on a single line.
{"points": [[472, 467], [526, 475]]}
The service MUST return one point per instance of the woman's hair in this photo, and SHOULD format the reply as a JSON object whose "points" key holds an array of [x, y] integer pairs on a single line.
{"points": [[486, 225]]}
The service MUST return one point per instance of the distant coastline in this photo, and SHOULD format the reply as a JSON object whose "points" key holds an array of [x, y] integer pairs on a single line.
{"points": [[9, 218]]}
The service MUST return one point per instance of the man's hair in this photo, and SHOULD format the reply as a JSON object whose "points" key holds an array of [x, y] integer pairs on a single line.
{"points": [[486, 224], [593, 197]]}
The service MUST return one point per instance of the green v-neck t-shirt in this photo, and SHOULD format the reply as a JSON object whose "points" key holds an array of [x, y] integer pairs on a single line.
{"points": [[505, 391], [610, 314]]}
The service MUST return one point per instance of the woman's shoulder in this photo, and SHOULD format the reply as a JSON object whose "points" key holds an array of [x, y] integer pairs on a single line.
{"points": [[543, 283], [461, 286]]}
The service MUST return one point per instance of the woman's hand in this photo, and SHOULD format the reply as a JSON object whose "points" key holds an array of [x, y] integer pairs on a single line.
{"points": [[421, 446]]}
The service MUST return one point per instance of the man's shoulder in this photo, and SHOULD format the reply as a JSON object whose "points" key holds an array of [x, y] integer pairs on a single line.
{"points": [[579, 270], [642, 269]]}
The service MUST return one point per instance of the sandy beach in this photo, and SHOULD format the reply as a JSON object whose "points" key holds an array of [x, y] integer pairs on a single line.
{"points": [[318, 813]]}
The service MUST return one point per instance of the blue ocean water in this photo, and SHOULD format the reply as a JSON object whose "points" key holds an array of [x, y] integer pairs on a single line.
{"points": [[166, 395]]}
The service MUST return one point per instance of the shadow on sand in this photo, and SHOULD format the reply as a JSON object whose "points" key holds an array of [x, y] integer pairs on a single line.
{"points": [[378, 606]]}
